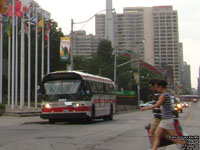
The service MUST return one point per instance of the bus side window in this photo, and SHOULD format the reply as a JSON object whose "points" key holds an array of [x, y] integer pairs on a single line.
{"points": [[107, 88], [93, 87], [87, 87], [111, 89]]}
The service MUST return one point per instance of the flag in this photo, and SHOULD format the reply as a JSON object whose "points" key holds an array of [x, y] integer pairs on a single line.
{"points": [[2, 6], [9, 11], [9, 27], [26, 29], [32, 20], [40, 23], [18, 6], [47, 31]]}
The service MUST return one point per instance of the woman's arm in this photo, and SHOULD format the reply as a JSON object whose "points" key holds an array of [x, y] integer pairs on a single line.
{"points": [[159, 102]]}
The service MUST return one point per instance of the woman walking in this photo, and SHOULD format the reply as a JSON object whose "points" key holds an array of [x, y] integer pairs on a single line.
{"points": [[167, 122]]}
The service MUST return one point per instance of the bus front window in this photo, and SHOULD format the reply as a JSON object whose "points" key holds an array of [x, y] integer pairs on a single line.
{"points": [[61, 87]]}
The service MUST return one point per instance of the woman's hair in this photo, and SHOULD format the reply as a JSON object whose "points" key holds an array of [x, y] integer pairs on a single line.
{"points": [[162, 83], [153, 81]]}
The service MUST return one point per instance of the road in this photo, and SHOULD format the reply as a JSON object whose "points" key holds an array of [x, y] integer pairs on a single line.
{"points": [[126, 132]]}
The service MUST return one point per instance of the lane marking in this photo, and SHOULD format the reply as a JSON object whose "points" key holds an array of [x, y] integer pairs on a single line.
{"points": [[188, 119]]}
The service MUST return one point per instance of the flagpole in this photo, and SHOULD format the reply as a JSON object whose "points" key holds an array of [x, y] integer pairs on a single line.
{"points": [[36, 59], [9, 67], [42, 71], [48, 50], [13, 53], [29, 62], [1, 58], [16, 65], [22, 64]]}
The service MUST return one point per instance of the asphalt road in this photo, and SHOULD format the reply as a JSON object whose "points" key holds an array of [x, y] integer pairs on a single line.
{"points": [[126, 132]]}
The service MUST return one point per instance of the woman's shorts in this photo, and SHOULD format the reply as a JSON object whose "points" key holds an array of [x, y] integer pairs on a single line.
{"points": [[167, 124]]}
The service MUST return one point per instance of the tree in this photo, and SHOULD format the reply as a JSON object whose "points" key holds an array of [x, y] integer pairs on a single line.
{"points": [[105, 51], [55, 35]]}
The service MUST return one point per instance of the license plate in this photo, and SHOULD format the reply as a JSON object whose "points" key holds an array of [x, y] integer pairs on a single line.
{"points": [[65, 110]]}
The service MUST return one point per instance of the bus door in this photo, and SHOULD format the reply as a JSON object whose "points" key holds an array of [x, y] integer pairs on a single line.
{"points": [[95, 100]]}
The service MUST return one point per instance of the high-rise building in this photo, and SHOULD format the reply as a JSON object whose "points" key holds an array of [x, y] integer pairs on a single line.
{"points": [[186, 77], [198, 88], [84, 45], [158, 27]]}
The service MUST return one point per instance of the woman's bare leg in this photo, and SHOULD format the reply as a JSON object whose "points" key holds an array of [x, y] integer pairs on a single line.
{"points": [[176, 140], [158, 135]]}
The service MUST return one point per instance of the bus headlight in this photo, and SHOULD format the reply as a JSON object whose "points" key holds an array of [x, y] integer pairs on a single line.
{"points": [[76, 105], [47, 105]]}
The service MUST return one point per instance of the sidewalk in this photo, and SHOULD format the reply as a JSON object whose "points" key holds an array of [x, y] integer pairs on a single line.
{"points": [[22, 113], [6, 121]]}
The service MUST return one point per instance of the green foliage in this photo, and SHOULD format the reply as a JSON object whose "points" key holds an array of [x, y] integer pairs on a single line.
{"points": [[55, 35], [105, 50], [2, 106]]}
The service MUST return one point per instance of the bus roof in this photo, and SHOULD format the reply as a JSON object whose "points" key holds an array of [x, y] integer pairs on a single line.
{"points": [[84, 76]]}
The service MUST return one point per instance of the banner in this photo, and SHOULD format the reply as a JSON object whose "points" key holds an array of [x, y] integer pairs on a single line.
{"points": [[65, 49]]}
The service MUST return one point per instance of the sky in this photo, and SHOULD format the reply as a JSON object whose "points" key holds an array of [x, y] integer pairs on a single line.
{"points": [[63, 11]]}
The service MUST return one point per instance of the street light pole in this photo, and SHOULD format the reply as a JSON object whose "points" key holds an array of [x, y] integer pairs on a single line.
{"points": [[138, 82], [71, 45]]}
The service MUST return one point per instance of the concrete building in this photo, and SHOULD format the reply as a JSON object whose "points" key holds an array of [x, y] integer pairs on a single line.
{"points": [[158, 26], [186, 77], [85, 45]]}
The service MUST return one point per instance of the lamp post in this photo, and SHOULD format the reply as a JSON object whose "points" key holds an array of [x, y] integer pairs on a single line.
{"points": [[72, 30]]}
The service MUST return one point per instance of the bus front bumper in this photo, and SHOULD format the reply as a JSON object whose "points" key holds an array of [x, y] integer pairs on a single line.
{"points": [[64, 116]]}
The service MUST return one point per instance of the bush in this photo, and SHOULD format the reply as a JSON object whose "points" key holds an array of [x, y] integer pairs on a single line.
{"points": [[2, 106]]}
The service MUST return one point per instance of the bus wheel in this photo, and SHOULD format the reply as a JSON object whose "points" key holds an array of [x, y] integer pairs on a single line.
{"points": [[110, 117], [52, 121], [91, 119]]}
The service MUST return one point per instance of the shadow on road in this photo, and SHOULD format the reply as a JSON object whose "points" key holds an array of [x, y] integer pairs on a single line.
{"points": [[74, 122]]}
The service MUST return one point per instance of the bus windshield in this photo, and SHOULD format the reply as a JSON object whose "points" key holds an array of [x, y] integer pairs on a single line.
{"points": [[61, 87]]}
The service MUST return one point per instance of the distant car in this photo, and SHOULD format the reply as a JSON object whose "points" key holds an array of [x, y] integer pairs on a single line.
{"points": [[195, 100], [150, 103]]}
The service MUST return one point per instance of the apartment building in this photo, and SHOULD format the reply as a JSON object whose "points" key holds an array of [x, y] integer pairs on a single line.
{"points": [[198, 88], [186, 77], [150, 31], [84, 45]]}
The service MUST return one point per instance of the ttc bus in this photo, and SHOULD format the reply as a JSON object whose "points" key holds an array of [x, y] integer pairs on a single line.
{"points": [[69, 95]]}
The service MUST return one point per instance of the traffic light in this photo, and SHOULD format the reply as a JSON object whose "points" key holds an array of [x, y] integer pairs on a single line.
{"points": [[2, 6]]}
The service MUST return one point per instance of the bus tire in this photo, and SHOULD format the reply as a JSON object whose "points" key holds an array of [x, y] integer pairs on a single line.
{"points": [[52, 121], [110, 117], [91, 119]]}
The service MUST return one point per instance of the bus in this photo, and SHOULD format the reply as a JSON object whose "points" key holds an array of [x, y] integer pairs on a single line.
{"points": [[69, 95], [189, 98]]}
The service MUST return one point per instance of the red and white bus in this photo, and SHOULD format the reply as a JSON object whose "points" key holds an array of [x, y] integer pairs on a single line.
{"points": [[69, 95], [189, 98]]}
